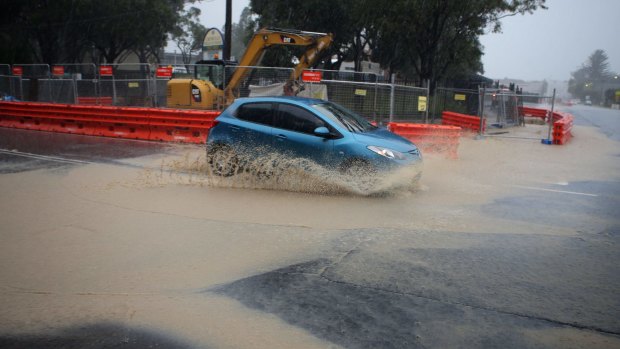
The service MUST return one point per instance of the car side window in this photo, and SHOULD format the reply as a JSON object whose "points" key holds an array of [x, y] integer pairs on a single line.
{"points": [[293, 118], [260, 113]]}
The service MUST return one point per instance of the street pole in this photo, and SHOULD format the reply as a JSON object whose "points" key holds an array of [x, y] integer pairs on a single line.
{"points": [[228, 30]]}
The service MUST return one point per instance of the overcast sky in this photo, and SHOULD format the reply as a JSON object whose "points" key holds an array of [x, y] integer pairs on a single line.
{"points": [[548, 44]]}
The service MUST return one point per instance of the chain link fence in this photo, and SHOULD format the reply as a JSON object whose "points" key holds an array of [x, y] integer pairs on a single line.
{"points": [[370, 95], [462, 101]]}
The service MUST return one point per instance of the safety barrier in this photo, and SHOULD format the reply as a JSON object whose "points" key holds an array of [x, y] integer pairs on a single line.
{"points": [[562, 127], [95, 100], [533, 112], [430, 138], [172, 125], [562, 122], [466, 122]]}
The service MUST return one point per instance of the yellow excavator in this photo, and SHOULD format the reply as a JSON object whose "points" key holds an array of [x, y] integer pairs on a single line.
{"points": [[210, 89]]}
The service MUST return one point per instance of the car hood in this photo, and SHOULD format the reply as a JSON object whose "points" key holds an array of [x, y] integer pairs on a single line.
{"points": [[383, 138]]}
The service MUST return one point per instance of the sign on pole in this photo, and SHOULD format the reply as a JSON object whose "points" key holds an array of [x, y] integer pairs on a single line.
{"points": [[105, 70], [213, 45], [19, 71], [311, 76]]}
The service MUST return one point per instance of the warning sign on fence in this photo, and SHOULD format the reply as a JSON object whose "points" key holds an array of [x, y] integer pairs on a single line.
{"points": [[164, 72], [422, 103], [459, 97], [18, 71], [311, 76], [58, 70], [105, 70]]}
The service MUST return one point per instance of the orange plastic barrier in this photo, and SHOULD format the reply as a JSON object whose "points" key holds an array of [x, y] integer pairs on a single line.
{"points": [[171, 125], [562, 127], [533, 112], [466, 122], [95, 100], [562, 122], [430, 138]]}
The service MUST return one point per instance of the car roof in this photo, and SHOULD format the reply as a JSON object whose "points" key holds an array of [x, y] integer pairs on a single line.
{"points": [[297, 100]]}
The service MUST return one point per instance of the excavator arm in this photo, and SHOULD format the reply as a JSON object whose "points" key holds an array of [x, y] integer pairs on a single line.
{"points": [[268, 37]]}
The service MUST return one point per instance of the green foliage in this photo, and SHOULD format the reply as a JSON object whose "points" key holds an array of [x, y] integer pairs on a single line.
{"points": [[420, 39], [188, 34], [590, 78], [53, 31], [242, 32]]}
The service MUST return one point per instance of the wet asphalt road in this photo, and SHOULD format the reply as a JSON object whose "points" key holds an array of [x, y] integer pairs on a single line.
{"points": [[486, 290]]}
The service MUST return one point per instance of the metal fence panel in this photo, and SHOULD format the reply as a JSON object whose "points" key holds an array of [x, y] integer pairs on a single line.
{"points": [[410, 104], [501, 108], [57, 91], [11, 86], [260, 81], [360, 97], [5, 69], [455, 100]]}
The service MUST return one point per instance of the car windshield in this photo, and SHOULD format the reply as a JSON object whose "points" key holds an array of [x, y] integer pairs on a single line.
{"points": [[344, 117]]}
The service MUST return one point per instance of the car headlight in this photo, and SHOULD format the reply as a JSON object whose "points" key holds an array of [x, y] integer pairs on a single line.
{"points": [[388, 153]]}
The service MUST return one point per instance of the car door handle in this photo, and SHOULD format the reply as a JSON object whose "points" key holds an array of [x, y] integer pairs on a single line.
{"points": [[281, 137], [235, 128]]}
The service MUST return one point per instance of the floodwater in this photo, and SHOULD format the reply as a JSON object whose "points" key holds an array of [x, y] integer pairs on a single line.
{"points": [[142, 245]]}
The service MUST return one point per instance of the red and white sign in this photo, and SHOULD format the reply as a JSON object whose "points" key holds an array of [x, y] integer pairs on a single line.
{"points": [[164, 72], [18, 71], [311, 76], [58, 70], [105, 70]]}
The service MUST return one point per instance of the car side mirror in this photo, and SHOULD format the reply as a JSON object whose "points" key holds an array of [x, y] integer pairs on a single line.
{"points": [[322, 132]]}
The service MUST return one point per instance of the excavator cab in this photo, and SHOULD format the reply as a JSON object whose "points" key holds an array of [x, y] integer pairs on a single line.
{"points": [[214, 70]]}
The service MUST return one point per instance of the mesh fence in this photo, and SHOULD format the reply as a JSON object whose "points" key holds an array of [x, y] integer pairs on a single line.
{"points": [[455, 100], [501, 108], [409, 103], [368, 94], [11, 87], [129, 85], [57, 91], [259, 81]]}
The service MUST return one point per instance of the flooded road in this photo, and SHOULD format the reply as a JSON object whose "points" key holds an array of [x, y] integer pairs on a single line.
{"points": [[109, 242]]}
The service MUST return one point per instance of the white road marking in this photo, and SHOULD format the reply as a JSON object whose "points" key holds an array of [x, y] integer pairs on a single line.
{"points": [[555, 191], [42, 157]]}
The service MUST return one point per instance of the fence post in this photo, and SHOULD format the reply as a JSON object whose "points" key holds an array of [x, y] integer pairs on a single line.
{"points": [[481, 109], [21, 88], [375, 101], [549, 141], [434, 105], [392, 91], [154, 98], [428, 95]]}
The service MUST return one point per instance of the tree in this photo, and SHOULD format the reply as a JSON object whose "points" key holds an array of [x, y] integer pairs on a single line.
{"points": [[436, 39], [590, 78], [131, 25], [58, 31], [188, 34], [310, 15], [426, 40], [242, 32]]}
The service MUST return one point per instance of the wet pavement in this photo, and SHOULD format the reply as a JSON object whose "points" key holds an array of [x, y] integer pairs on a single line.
{"points": [[541, 272]]}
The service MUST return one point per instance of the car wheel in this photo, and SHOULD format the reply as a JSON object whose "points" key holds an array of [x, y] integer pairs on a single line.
{"points": [[222, 160]]}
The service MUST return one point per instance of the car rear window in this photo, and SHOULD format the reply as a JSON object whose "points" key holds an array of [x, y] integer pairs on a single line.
{"points": [[260, 113]]}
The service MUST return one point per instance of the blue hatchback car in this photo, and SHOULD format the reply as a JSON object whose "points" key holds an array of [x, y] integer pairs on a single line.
{"points": [[323, 132]]}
